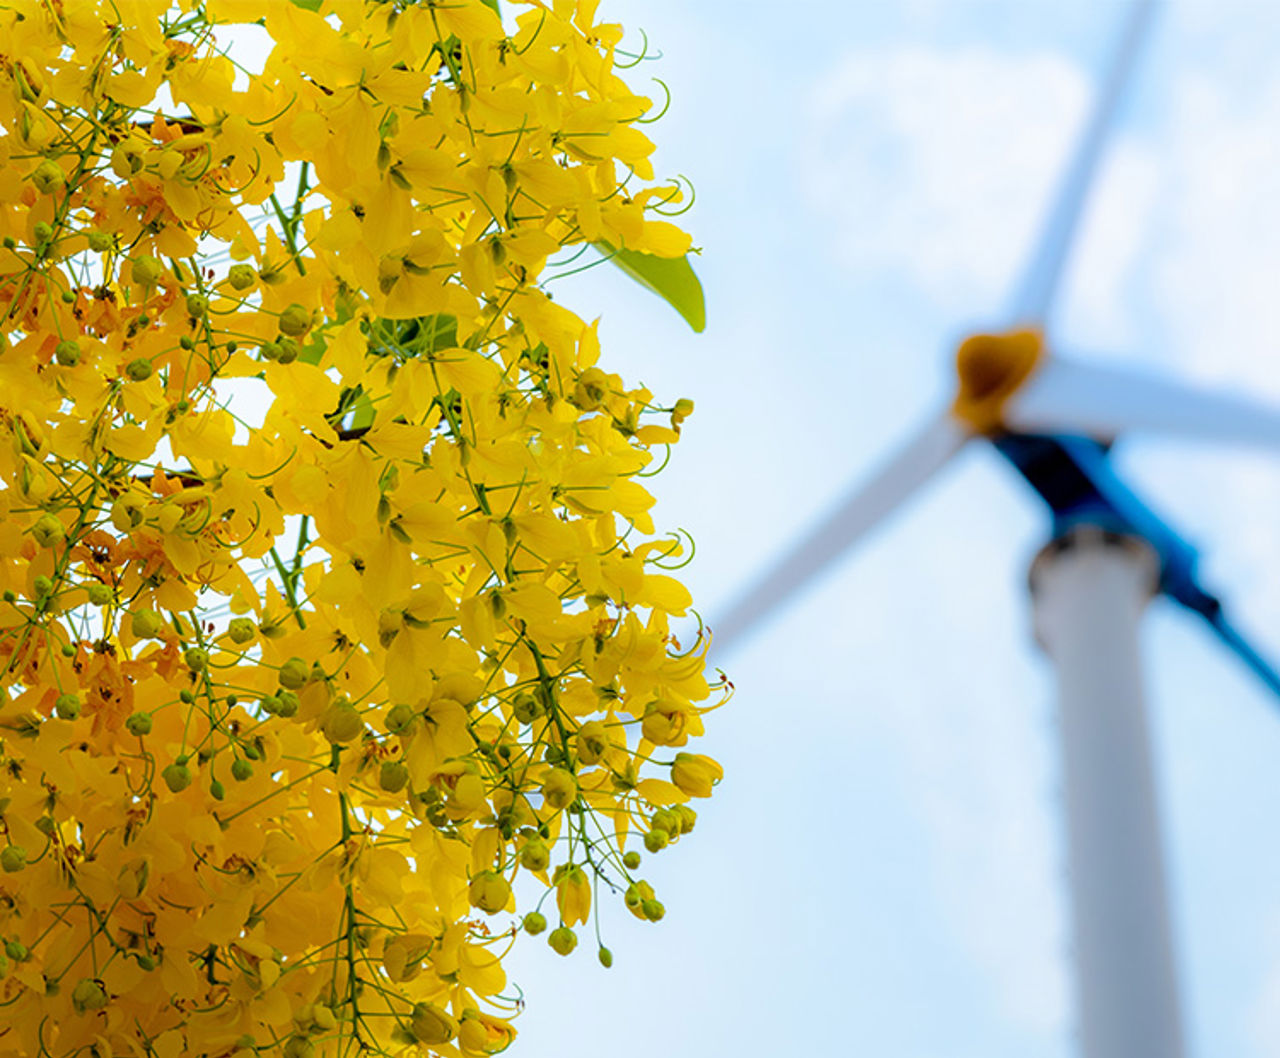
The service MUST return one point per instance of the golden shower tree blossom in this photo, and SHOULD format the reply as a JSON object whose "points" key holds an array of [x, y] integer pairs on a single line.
{"points": [[333, 625]]}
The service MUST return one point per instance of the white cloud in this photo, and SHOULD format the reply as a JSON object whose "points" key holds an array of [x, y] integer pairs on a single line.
{"points": [[939, 165]]}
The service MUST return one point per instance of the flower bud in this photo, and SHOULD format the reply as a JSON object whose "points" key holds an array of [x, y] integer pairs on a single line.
{"points": [[146, 270], [13, 858], [138, 724], [177, 777], [99, 594], [526, 708], [48, 531], [295, 321], [695, 774], [197, 305], [67, 353], [100, 241], [42, 586], [88, 995], [146, 624], [562, 940], [138, 370], [341, 723], [431, 1025], [535, 856], [592, 742], [293, 673], [605, 956], [241, 630], [687, 816], [631, 860], [241, 276], [656, 840], [489, 891], [393, 776], [196, 660], [48, 177], [241, 769], [67, 706], [399, 717], [559, 789], [534, 923]]}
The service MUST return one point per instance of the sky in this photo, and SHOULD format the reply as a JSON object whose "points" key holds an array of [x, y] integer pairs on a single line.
{"points": [[882, 869]]}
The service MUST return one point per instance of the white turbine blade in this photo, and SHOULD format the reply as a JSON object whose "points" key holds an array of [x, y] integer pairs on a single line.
{"points": [[1040, 281], [1073, 396], [861, 510]]}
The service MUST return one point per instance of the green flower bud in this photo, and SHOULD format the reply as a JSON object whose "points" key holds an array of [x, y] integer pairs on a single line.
{"points": [[562, 940], [100, 241], [42, 586], [146, 270], [287, 704], [13, 858], [393, 776], [592, 742], [241, 630], [217, 791], [177, 777], [295, 321], [16, 950], [535, 856], [605, 956], [241, 769], [241, 276], [48, 531], [293, 673], [653, 910], [48, 177], [67, 706], [67, 353], [145, 961], [687, 816], [559, 789], [100, 594], [534, 923], [196, 660], [631, 861], [197, 305], [146, 624], [88, 995], [42, 232], [431, 1025], [399, 717], [665, 819], [489, 891], [341, 723], [138, 370], [526, 708]]}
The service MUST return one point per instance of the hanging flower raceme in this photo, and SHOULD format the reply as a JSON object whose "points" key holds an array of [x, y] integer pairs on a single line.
{"points": [[333, 623]]}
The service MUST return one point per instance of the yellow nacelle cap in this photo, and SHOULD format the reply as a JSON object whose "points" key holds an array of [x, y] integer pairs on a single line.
{"points": [[991, 369]]}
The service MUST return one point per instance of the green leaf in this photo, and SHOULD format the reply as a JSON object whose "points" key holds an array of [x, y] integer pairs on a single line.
{"points": [[671, 278]]}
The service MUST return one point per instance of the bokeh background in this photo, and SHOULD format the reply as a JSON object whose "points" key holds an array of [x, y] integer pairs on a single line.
{"points": [[881, 871]]}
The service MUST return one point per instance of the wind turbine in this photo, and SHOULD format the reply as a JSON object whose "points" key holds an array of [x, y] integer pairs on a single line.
{"points": [[1054, 419]]}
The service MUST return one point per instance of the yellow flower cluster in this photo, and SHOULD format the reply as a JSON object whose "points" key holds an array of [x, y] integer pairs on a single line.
{"points": [[296, 687]]}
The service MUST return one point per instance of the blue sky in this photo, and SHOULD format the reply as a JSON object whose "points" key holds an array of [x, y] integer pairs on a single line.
{"points": [[881, 871]]}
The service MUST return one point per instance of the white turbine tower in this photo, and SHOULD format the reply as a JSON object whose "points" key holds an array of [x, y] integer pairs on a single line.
{"points": [[1054, 419]]}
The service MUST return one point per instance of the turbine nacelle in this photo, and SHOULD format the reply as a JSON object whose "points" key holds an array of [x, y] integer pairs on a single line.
{"points": [[990, 369]]}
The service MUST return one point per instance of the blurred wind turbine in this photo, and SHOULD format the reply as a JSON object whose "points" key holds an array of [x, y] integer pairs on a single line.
{"points": [[1054, 420]]}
